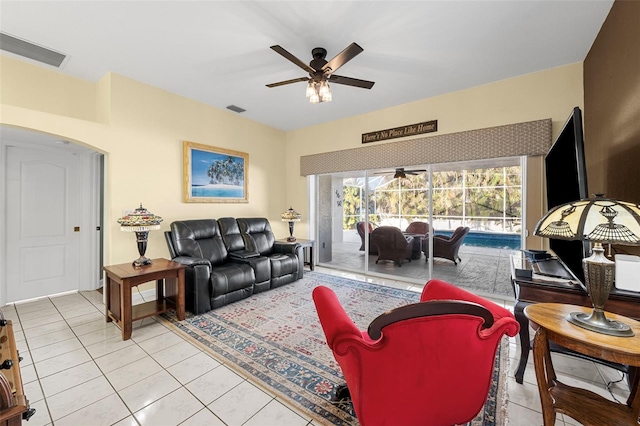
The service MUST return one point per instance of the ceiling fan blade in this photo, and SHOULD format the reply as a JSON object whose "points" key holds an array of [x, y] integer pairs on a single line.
{"points": [[348, 81], [289, 56], [414, 171], [342, 58], [282, 83]]}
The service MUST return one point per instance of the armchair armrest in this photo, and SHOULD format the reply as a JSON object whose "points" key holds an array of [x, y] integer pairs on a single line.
{"points": [[333, 318]]}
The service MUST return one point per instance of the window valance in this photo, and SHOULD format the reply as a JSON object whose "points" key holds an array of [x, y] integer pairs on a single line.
{"points": [[511, 140]]}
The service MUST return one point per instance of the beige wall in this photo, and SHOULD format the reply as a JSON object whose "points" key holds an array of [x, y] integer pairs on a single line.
{"points": [[141, 135], [547, 94], [141, 128]]}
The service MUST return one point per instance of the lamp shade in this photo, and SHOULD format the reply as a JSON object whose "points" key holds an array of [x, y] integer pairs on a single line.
{"points": [[290, 215], [597, 219], [140, 220]]}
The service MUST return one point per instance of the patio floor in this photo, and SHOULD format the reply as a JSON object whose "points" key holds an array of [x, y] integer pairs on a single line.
{"points": [[483, 270]]}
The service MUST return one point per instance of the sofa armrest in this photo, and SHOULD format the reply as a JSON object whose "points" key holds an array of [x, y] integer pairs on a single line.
{"points": [[197, 277], [289, 248], [192, 261], [285, 248]]}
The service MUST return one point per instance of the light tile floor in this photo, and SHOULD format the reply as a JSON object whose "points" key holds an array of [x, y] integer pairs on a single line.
{"points": [[77, 370]]}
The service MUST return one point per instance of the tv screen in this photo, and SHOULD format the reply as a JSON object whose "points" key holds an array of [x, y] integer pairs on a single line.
{"points": [[566, 175]]}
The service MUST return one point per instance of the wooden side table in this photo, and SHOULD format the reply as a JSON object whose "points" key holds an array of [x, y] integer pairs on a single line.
{"points": [[537, 290], [583, 405], [122, 278], [306, 245]]}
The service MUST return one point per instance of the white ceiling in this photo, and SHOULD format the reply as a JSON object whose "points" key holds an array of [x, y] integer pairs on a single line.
{"points": [[217, 52]]}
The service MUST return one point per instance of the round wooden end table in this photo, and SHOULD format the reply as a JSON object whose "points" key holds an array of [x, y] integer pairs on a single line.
{"points": [[585, 406]]}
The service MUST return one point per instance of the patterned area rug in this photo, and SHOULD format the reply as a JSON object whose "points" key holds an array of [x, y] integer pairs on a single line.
{"points": [[275, 338]]}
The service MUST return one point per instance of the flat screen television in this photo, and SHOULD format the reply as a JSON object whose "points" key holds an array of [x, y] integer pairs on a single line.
{"points": [[566, 175]]}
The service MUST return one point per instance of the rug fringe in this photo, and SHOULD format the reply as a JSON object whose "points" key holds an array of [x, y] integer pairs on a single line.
{"points": [[502, 410]]}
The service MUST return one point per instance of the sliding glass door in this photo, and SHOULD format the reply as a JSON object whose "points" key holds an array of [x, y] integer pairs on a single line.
{"points": [[403, 224]]}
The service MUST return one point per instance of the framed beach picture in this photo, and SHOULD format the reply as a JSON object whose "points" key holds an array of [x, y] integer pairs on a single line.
{"points": [[214, 175]]}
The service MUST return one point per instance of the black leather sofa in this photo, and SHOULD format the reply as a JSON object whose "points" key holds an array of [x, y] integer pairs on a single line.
{"points": [[230, 259]]}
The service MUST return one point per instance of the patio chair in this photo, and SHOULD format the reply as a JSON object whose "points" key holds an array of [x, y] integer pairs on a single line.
{"points": [[419, 231], [427, 363], [447, 247], [360, 229], [392, 244], [417, 227]]}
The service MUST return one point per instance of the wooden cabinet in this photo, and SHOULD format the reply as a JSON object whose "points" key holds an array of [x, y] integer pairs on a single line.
{"points": [[14, 405]]}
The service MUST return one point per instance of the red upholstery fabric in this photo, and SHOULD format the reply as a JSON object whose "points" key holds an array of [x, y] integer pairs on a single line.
{"points": [[432, 370]]}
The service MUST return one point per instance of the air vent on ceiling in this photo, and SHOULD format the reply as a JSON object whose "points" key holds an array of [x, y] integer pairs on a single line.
{"points": [[236, 108], [30, 50]]}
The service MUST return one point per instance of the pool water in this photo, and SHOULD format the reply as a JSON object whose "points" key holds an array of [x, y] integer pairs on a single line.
{"points": [[488, 239]]}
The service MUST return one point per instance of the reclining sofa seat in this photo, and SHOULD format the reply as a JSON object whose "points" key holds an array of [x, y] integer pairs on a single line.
{"points": [[286, 260], [234, 243], [212, 278]]}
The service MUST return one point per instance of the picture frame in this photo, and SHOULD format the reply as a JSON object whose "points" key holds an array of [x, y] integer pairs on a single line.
{"points": [[214, 175]]}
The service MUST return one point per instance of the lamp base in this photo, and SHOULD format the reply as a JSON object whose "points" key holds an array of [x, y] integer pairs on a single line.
{"points": [[597, 322], [291, 239], [141, 261]]}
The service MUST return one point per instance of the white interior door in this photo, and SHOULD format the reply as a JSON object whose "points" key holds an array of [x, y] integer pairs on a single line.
{"points": [[43, 218]]}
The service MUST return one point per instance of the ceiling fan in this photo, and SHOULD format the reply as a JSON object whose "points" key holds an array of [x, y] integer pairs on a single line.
{"points": [[321, 72], [401, 173]]}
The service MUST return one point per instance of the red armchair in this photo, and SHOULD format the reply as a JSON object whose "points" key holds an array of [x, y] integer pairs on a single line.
{"points": [[427, 363]]}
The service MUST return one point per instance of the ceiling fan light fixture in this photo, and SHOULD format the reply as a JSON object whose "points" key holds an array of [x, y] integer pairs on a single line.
{"points": [[399, 175], [310, 89], [325, 92], [314, 98]]}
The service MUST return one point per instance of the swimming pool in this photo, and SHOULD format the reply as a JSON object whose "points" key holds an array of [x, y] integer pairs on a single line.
{"points": [[488, 239]]}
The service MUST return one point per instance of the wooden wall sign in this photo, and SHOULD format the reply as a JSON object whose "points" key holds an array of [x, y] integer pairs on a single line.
{"points": [[399, 132]]}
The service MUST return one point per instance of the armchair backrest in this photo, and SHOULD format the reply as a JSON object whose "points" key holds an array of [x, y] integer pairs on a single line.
{"points": [[199, 238], [418, 227], [257, 235], [360, 228], [459, 233], [389, 237], [428, 363]]}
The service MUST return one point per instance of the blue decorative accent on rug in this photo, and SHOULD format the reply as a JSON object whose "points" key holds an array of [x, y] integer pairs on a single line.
{"points": [[275, 337]]}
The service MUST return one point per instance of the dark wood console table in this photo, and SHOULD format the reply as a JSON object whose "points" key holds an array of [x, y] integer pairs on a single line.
{"points": [[539, 290]]}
